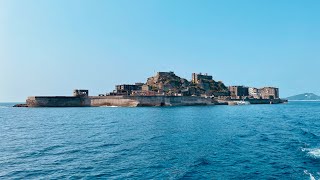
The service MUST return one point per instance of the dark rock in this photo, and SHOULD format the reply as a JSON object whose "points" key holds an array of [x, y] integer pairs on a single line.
{"points": [[20, 105]]}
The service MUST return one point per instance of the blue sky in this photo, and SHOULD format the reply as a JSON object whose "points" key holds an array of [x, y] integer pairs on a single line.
{"points": [[52, 47]]}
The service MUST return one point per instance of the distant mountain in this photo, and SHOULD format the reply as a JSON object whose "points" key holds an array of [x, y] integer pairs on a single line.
{"points": [[304, 97]]}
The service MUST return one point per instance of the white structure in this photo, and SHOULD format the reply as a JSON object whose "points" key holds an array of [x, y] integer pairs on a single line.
{"points": [[254, 92]]}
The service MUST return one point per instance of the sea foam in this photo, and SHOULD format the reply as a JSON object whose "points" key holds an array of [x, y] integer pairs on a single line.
{"points": [[312, 152], [310, 175], [110, 106]]}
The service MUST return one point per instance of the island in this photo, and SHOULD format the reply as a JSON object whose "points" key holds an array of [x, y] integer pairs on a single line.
{"points": [[304, 97], [164, 89]]}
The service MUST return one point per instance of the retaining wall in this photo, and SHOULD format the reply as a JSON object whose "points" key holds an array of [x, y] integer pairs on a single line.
{"points": [[57, 101], [71, 101]]}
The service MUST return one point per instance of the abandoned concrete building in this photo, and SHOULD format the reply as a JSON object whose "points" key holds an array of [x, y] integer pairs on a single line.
{"points": [[238, 92], [126, 89], [168, 84], [80, 93], [269, 93], [197, 78], [146, 88], [254, 93]]}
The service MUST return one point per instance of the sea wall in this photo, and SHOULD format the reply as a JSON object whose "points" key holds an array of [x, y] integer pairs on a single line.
{"points": [[71, 101], [112, 101], [57, 101], [132, 101], [149, 101], [265, 101], [254, 101], [172, 100]]}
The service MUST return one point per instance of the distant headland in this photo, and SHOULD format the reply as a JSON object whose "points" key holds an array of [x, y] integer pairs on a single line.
{"points": [[304, 97], [165, 89]]}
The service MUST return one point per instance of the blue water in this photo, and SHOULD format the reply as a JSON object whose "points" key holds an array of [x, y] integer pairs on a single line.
{"points": [[209, 142]]}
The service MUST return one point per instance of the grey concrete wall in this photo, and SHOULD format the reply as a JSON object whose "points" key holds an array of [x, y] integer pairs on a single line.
{"points": [[129, 101], [255, 101], [265, 101], [171, 100], [57, 101], [148, 101], [65, 101]]}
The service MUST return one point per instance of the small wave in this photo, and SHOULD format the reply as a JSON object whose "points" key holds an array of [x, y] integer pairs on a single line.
{"points": [[312, 152], [110, 106], [2, 107], [308, 133], [310, 175], [107, 145], [315, 153], [201, 162]]}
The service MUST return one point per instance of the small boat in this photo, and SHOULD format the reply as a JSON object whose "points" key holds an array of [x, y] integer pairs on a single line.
{"points": [[243, 102]]}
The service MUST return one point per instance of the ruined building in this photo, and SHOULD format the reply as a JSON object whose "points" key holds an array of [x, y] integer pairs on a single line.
{"points": [[269, 93], [169, 84], [126, 89], [254, 93], [238, 92], [80, 93], [197, 78], [203, 84]]}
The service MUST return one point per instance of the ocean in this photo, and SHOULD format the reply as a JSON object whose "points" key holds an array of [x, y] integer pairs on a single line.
{"points": [[194, 142]]}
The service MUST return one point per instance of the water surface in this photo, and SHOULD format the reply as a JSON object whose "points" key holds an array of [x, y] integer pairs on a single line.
{"points": [[201, 142]]}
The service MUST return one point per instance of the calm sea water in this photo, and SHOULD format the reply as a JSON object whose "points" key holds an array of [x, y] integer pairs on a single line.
{"points": [[216, 142]]}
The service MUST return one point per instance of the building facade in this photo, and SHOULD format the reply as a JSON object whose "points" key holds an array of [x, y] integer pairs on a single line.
{"points": [[197, 78], [80, 93], [126, 89], [254, 93], [269, 93], [238, 92]]}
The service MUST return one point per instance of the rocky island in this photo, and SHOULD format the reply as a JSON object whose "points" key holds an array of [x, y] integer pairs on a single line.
{"points": [[164, 89]]}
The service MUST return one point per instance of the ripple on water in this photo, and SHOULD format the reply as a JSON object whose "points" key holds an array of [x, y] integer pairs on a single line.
{"points": [[312, 152], [256, 142], [308, 133], [107, 145], [201, 162], [310, 175], [196, 168]]}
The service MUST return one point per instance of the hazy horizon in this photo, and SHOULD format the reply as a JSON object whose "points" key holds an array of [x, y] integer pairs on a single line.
{"points": [[53, 47]]}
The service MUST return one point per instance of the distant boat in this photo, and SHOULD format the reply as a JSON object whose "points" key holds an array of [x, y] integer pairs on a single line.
{"points": [[242, 102]]}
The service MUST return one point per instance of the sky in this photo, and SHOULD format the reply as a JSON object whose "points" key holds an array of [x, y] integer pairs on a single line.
{"points": [[54, 46]]}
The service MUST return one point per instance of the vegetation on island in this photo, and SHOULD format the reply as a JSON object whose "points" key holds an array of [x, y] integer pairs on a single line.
{"points": [[171, 83]]}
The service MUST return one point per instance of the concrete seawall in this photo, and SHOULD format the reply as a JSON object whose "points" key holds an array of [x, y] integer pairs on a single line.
{"points": [[170, 100], [57, 101], [133, 101], [266, 101]]}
